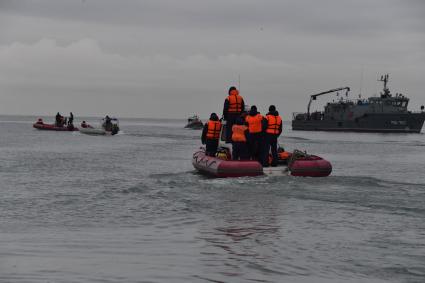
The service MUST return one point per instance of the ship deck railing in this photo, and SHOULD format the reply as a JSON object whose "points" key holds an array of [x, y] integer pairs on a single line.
{"points": [[302, 116], [298, 114]]}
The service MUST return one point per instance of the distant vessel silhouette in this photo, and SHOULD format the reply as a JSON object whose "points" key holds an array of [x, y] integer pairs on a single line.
{"points": [[194, 123], [386, 113]]}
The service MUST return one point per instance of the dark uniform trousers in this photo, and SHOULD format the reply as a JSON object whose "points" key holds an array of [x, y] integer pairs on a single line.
{"points": [[211, 146], [240, 151], [256, 145], [270, 143], [231, 120]]}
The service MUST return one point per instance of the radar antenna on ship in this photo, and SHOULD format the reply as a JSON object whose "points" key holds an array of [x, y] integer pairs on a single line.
{"points": [[384, 79]]}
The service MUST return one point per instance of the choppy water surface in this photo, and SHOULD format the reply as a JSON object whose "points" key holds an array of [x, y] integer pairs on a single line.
{"points": [[130, 208]]}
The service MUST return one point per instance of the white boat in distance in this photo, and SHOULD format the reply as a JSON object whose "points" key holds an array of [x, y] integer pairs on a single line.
{"points": [[108, 127]]}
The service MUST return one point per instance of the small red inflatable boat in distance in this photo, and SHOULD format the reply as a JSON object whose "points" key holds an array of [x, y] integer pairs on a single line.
{"points": [[51, 127], [220, 168]]}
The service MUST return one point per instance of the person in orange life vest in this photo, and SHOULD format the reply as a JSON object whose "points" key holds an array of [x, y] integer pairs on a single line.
{"points": [[273, 129], [240, 141], [256, 137], [233, 107], [211, 135]]}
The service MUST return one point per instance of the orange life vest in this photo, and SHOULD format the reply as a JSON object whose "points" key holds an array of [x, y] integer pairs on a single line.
{"points": [[235, 102], [273, 124], [214, 128], [238, 133], [254, 123], [284, 155]]}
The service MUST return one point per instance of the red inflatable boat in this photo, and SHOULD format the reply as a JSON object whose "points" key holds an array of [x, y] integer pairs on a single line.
{"points": [[300, 164], [310, 166], [52, 127], [220, 168]]}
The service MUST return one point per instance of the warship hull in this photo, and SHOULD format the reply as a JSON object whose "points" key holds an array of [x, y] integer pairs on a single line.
{"points": [[371, 122]]}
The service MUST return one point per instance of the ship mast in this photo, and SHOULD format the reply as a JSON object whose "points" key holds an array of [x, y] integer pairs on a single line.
{"points": [[384, 79]]}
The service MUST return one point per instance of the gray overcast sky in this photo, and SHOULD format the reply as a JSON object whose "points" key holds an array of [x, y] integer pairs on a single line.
{"points": [[174, 58]]}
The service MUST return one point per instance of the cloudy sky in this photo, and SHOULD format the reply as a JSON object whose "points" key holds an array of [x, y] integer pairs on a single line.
{"points": [[170, 59]]}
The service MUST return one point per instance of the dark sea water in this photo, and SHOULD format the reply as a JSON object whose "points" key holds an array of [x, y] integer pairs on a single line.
{"points": [[131, 208]]}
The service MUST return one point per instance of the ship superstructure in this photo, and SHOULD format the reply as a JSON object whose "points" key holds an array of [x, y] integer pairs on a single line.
{"points": [[383, 113]]}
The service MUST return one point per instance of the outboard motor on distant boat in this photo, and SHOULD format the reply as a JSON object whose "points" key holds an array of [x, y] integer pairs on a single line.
{"points": [[115, 129]]}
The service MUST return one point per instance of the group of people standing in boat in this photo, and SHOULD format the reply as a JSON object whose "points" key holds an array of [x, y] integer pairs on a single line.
{"points": [[61, 121], [253, 136]]}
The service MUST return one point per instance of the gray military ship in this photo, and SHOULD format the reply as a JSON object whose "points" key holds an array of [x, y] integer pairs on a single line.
{"points": [[384, 113]]}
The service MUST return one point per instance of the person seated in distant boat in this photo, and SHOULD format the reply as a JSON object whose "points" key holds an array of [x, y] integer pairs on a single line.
{"points": [[85, 125], [211, 135], [39, 121], [240, 141], [107, 125]]}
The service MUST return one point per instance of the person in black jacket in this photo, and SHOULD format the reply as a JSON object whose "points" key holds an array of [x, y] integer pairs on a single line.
{"points": [[211, 135], [71, 119], [58, 120], [273, 128], [107, 124]]}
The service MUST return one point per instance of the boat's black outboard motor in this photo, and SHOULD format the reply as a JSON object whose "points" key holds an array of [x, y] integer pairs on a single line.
{"points": [[115, 129]]}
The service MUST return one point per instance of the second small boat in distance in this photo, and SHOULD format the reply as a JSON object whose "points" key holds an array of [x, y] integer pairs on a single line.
{"points": [[109, 126], [194, 123]]}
